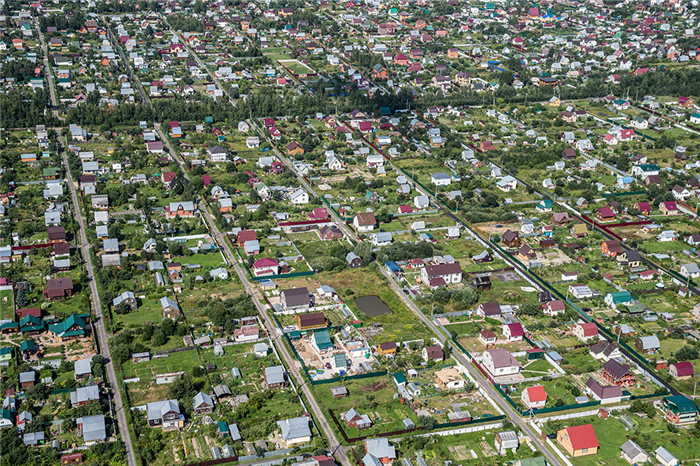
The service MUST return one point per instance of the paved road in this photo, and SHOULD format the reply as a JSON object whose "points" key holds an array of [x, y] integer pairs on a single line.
{"points": [[485, 384], [348, 232], [99, 321], [47, 67], [119, 50], [275, 333], [201, 64]]}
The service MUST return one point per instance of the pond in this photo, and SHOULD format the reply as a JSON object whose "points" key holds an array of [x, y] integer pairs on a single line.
{"points": [[372, 306]]}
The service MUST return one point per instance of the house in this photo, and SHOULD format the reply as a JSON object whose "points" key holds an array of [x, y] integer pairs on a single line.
{"points": [[511, 239], [441, 274], [633, 453], [202, 403], [690, 270], [378, 452], [665, 458], [513, 332], [171, 310], [605, 214], [630, 258], [313, 320], [487, 337], [578, 440], [27, 379], [669, 208], [553, 308], [354, 261], [82, 369], [534, 397], [434, 353], [440, 179], [619, 298], [606, 394], [560, 219], [449, 379], [506, 441], [295, 431], [605, 350], [682, 370], [647, 345], [499, 362], [295, 299], [275, 377], [585, 332], [579, 230], [387, 349], [354, 419], [71, 328], [617, 374], [679, 410], [491, 309], [165, 414], [180, 209], [610, 248], [84, 395], [364, 222]]}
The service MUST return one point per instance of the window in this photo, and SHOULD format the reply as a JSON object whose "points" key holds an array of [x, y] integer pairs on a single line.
{"points": [[585, 450]]}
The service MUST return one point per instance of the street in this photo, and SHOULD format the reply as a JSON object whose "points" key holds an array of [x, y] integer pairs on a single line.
{"points": [[102, 337]]}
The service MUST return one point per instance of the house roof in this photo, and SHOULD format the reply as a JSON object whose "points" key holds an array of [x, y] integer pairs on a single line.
{"points": [[650, 342], [631, 449], [502, 358], [582, 437], [536, 393], [294, 428], [615, 369], [366, 218], [684, 368], [296, 296]]}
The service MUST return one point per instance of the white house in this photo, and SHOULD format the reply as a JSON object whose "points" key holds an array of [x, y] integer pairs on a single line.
{"points": [[441, 179], [299, 197], [690, 270], [534, 397], [499, 362]]}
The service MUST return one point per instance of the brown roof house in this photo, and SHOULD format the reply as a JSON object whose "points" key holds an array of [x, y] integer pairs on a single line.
{"points": [[364, 221]]}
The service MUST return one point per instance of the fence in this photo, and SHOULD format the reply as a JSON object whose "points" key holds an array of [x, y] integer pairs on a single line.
{"points": [[629, 351], [366, 375], [268, 277], [176, 350], [357, 439]]}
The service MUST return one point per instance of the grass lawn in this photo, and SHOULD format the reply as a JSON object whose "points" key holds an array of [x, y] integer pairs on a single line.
{"points": [[7, 306], [175, 362], [650, 434], [400, 325], [372, 396]]}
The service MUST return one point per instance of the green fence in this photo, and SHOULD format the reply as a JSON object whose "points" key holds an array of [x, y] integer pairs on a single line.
{"points": [[61, 391], [615, 122], [417, 182], [343, 218], [483, 420], [324, 381]]}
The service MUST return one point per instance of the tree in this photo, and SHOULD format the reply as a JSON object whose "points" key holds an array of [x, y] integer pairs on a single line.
{"points": [[687, 353], [428, 422], [21, 299], [364, 251], [159, 338]]}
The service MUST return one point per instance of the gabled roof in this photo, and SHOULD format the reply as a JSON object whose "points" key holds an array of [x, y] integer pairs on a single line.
{"points": [[582, 437]]}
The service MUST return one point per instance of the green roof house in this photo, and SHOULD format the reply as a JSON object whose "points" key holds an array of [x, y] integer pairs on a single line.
{"points": [[73, 327], [6, 353], [680, 411], [321, 340]]}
